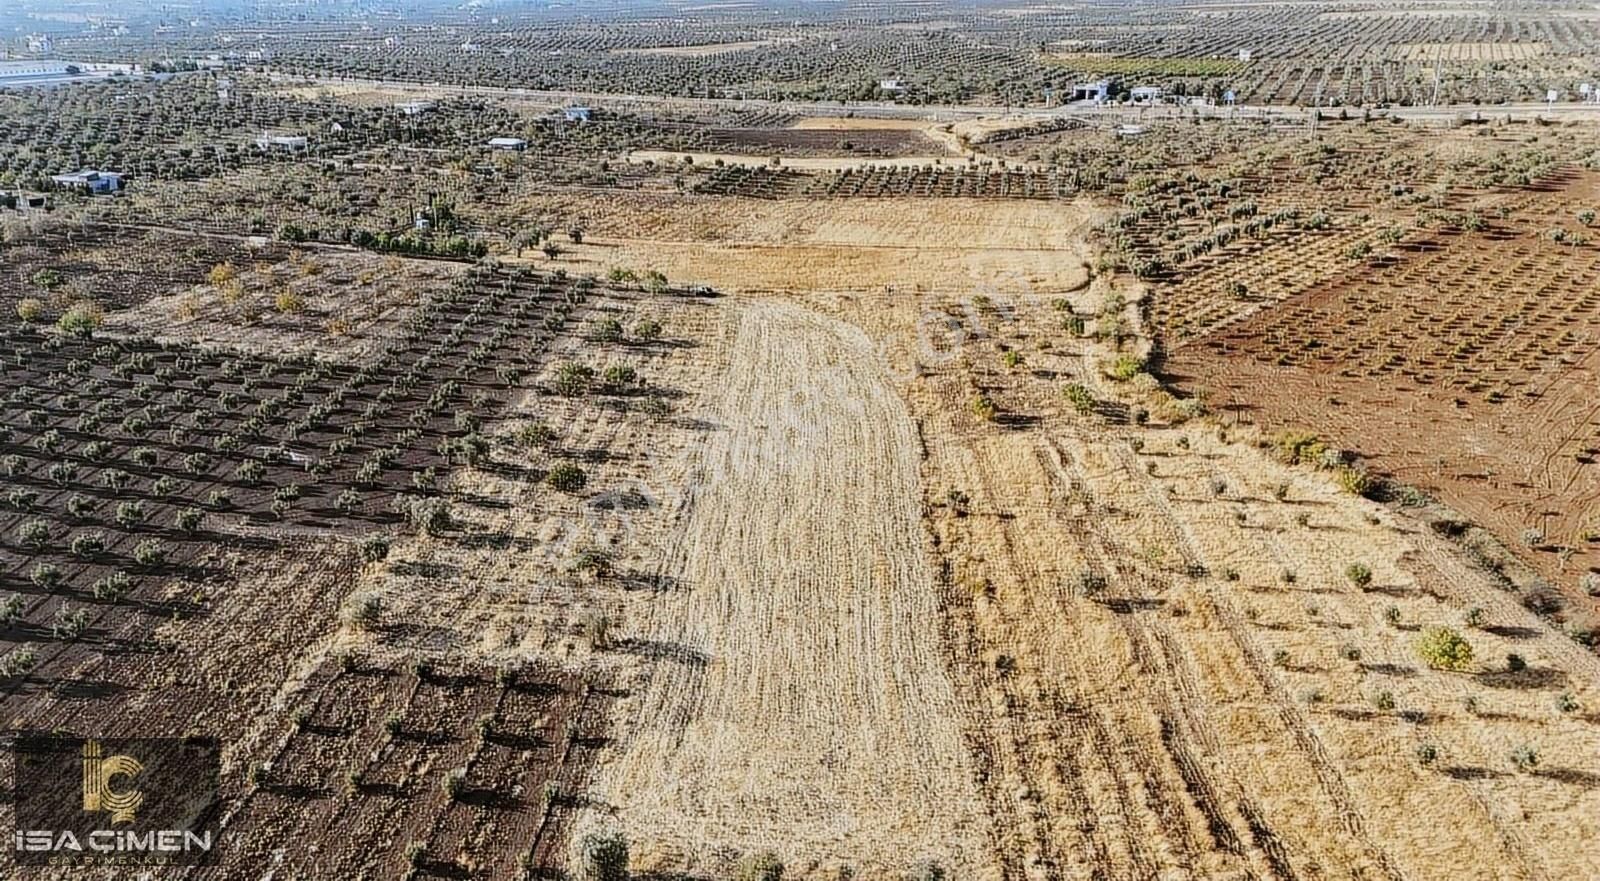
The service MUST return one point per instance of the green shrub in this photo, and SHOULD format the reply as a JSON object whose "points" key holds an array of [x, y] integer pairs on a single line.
{"points": [[604, 857], [535, 434], [1125, 367], [1356, 481], [647, 330], [619, 376], [375, 549], [762, 867], [88, 545], [34, 534], [608, 330], [567, 477], [573, 379], [429, 516], [30, 309], [81, 320], [149, 553], [1445, 649], [1359, 574], [1298, 447], [1080, 398], [1525, 758]]}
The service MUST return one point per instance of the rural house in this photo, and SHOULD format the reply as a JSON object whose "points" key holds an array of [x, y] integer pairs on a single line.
{"points": [[88, 181], [288, 143]]}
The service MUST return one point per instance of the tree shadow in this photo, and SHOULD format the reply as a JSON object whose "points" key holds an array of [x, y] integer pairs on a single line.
{"points": [[295, 790], [488, 798], [1512, 632], [1530, 678], [1460, 772], [441, 869], [660, 650], [516, 741], [1572, 777], [1390, 670], [86, 689]]}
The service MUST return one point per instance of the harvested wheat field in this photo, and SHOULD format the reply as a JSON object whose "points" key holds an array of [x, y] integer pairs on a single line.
{"points": [[860, 246], [795, 697]]}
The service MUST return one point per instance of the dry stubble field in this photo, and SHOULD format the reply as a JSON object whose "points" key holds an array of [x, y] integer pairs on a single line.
{"points": [[1160, 665]]}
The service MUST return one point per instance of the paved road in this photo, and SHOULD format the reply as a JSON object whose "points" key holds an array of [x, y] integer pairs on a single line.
{"points": [[1107, 114]]}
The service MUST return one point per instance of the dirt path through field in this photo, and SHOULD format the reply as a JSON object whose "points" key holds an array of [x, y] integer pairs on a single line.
{"points": [[796, 698]]}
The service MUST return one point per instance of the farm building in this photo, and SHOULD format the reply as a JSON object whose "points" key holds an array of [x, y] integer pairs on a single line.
{"points": [[891, 85], [289, 143], [1097, 91], [90, 181], [1145, 94], [414, 108], [578, 114], [508, 143], [22, 72], [20, 201]]}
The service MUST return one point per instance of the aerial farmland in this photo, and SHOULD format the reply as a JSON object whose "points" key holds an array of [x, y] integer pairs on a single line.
{"points": [[790, 440]]}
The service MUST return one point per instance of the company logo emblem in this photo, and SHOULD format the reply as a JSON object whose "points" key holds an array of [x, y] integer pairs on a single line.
{"points": [[98, 793]]}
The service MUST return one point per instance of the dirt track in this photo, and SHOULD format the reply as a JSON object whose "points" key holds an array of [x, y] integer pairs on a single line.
{"points": [[797, 699]]}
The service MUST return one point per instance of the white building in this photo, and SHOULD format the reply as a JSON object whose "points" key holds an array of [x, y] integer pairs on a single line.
{"points": [[508, 143], [288, 143], [89, 181]]}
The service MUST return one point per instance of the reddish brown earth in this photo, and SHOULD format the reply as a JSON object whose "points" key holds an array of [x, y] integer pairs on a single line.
{"points": [[1464, 365]]}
